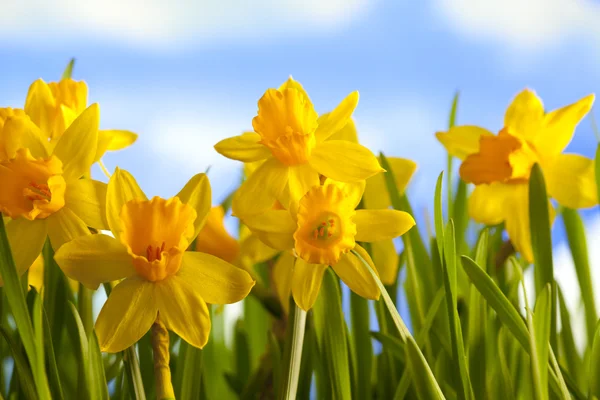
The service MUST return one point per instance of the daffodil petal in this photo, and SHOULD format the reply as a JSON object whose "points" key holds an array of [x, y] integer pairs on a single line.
{"points": [[344, 161], [376, 194], [487, 203], [21, 132], [338, 118], [354, 273], [76, 148], [375, 225], [262, 188], [385, 259], [122, 187], [95, 259], [197, 193], [87, 199], [348, 132], [245, 147], [216, 281], [253, 251], [301, 179], [120, 139], [127, 315], [559, 126], [306, 283], [64, 226], [353, 190], [26, 239], [275, 228], [40, 105], [571, 180], [462, 141], [282, 278], [183, 310], [290, 83], [525, 115]]}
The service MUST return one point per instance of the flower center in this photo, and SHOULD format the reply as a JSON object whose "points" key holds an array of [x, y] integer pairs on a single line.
{"points": [[286, 122], [325, 226], [31, 188], [156, 233], [504, 158]]}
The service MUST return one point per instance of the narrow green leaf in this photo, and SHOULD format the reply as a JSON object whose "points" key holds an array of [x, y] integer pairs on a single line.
{"points": [[84, 307], [331, 335], [539, 337], [135, 386], [506, 386], [571, 357], [84, 385], [424, 382], [276, 356], [68, 72], [461, 216], [451, 122], [361, 344], [242, 352], [191, 382], [292, 356], [96, 369], [594, 372], [53, 375], [578, 245], [437, 214], [22, 368]]}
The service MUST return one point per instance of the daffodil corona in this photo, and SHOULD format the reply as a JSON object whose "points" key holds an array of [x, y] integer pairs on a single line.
{"points": [[149, 253], [500, 165], [292, 140], [323, 233]]}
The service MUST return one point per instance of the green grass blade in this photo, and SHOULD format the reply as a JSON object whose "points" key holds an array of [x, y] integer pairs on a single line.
{"points": [[21, 366], [425, 384], [571, 357], [331, 336], [53, 375], [594, 372], [68, 72], [85, 386], [96, 369], [539, 337], [451, 123], [578, 245], [133, 375], [292, 356], [361, 344], [438, 215], [191, 383]]}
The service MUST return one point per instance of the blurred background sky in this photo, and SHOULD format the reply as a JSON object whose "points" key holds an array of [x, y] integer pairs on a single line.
{"points": [[184, 74]]}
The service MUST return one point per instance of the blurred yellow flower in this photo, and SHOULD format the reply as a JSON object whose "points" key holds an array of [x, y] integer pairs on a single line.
{"points": [[54, 106], [35, 275], [500, 165], [149, 253], [322, 233], [214, 238], [292, 139], [41, 189]]}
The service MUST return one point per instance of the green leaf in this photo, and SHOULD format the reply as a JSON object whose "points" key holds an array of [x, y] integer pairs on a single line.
{"points": [[594, 372], [577, 243], [541, 241], [18, 306], [292, 355], [84, 385], [96, 369], [424, 382], [331, 336], [53, 375], [135, 386], [361, 344], [461, 216], [438, 216], [21, 366], [539, 337], [276, 356], [242, 352], [506, 384], [451, 122], [463, 388], [68, 72], [191, 383]]}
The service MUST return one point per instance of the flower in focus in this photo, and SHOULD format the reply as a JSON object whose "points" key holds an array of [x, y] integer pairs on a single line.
{"points": [[54, 106], [149, 254], [292, 140], [500, 165], [323, 232], [42, 194]]}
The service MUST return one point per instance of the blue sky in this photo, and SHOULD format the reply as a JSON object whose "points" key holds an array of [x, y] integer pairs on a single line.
{"points": [[186, 75]]}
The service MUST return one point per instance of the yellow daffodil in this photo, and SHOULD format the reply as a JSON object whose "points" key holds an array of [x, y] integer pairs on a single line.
{"points": [[323, 233], [292, 140], [149, 254], [54, 106], [500, 165], [35, 275], [42, 192], [214, 238]]}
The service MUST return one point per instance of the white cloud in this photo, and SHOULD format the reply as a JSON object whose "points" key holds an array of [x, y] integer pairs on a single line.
{"points": [[523, 25], [167, 24]]}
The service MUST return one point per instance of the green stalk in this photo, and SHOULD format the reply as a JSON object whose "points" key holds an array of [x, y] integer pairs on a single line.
{"points": [[84, 307], [293, 352]]}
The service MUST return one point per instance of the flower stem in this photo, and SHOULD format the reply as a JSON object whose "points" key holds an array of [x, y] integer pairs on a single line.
{"points": [[293, 352], [162, 371], [84, 302]]}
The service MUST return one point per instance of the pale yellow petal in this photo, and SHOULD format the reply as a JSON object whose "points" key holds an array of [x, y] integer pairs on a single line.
{"points": [[127, 315], [354, 273], [571, 180], [120, 139], [353, 190], [87, 199], [375, 225], [40, 105], [76, 148], [376, 193], [290, 83], [338, 118], [301, 179], [261, 189], [26, 239], [197, 193], [95, 259], [525, 115], [282, 278], [122, 187], [344, 161], [216, 281], [385, 259], [64, 226], [487, 203], [245, 147], [306, 283], [21, 132], [462, 141], [275, 228], [348, 132], [183, 311]]}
